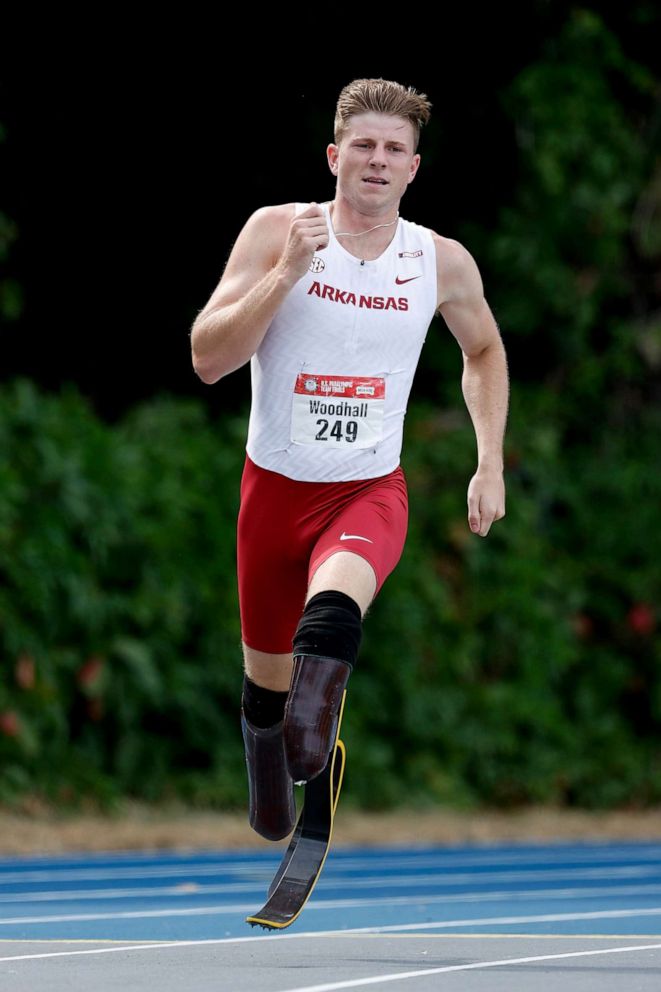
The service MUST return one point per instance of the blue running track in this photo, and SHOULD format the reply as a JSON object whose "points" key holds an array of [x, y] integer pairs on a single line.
{"points": [[560, 889]]}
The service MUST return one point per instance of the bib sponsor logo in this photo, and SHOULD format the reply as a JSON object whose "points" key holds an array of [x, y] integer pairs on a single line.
{"points": [[342, 386]]}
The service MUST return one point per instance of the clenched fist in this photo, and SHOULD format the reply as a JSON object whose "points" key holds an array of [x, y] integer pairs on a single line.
{"points": [[308, 233]]}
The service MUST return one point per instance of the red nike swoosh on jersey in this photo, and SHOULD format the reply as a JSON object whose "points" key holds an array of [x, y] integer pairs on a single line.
{"points": [[400, 282]]}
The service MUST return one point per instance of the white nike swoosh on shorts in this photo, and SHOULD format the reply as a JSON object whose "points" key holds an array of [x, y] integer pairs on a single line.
{"points": [[354, 537]]}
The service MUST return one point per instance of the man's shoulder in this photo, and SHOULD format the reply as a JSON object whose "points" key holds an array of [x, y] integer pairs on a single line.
{"points": [[278, 213], [277, 210], [267, 227], [456, 268], [449, 251]]}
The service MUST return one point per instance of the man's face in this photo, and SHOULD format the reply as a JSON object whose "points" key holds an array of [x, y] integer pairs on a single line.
{"points": [[374, 162]]}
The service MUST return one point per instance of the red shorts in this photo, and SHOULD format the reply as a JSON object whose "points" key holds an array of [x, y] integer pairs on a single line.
{"points": [[286, 529]]}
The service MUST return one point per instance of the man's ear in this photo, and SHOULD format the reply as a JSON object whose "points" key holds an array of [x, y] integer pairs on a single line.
{"points": [[415, 165], [332, 153]]}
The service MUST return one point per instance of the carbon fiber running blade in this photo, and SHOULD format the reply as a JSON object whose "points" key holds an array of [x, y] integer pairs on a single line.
{"points": [[338, 773], [305, 856], [302, 863]]}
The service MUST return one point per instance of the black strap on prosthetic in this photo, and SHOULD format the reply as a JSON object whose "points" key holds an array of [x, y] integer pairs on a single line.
{"points": [[331, 627], [262, 707]]}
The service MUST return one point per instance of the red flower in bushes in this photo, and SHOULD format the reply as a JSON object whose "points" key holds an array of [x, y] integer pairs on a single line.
{"points": [[641, 618], [24, 671], [10, 723], [90, 673]]}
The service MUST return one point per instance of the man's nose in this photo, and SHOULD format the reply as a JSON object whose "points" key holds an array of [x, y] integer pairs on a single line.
{"points": [[378, 156]]}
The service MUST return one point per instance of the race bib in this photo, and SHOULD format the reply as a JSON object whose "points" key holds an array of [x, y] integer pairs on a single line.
{"points": [[338, 410]]}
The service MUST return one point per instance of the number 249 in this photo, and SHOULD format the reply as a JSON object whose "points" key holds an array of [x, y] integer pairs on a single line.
{"points": [[351, 430]]}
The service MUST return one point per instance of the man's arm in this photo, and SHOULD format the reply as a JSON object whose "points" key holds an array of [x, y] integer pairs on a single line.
{"points": [[270, 255], [485, 380]]}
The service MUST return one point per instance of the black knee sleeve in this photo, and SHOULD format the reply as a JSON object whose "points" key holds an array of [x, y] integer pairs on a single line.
{"points": [[331, 627]]}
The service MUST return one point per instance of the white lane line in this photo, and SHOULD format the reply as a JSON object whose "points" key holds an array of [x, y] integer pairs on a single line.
{"points": [[194, 889], [95, 874], [476, 877], [306, 935], [441, 924], [183, 890], [146, 914], [203, 891], [160, 945], [477, 966], [438, 860], [491, 855], [473, 879], [328, 933], [604, 914]]}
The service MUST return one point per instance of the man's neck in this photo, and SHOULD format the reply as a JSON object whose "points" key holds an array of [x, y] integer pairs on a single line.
{"points": [[363, 236]]}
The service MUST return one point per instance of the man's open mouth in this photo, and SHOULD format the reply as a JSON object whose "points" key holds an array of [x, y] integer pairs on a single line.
{"points": [[378, 182]]}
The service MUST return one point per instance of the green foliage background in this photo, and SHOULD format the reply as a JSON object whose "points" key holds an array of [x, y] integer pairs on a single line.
{"points": [[520, 668], [523, 667]]}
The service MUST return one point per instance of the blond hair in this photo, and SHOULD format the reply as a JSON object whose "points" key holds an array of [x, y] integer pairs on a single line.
{"points": [[382, 96]]}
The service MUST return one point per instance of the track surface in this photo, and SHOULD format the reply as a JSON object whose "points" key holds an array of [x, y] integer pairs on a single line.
{"points": [[587, 916]]}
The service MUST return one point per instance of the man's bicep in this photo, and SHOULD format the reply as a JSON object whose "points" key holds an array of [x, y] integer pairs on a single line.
{"points": [[472, 324], [256, 251], [464, 308]]}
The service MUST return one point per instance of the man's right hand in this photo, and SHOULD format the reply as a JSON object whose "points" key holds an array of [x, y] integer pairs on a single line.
{"points": [[308, 233]]}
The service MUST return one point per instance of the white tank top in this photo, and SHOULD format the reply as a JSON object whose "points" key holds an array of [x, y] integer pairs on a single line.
{"points": [[332, 376]]}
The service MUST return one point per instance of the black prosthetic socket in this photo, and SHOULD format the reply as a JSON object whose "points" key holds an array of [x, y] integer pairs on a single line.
{"points": [[262, 707], [331, 627]]}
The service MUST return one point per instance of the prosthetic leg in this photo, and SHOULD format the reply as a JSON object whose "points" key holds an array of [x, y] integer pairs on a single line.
{"points": [[311, 714], [325, 650], [304, 858], [272, 808]]}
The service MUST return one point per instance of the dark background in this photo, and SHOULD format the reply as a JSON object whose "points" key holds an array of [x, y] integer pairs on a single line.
{"points": [[131, 160]]}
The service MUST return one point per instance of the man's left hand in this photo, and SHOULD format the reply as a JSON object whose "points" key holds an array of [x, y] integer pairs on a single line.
{"points": [[486, 500]]}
